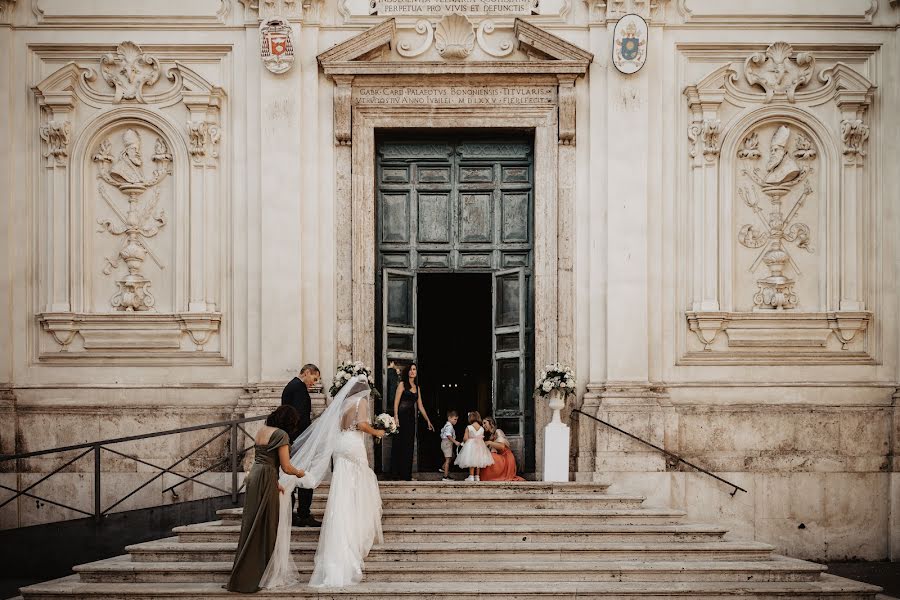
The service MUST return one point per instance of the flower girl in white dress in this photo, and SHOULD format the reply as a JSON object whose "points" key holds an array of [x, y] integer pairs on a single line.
{"points": [[474, 454]]}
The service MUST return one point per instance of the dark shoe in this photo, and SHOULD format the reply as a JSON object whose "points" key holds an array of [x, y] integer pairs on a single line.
{"points": [[307, 521]]}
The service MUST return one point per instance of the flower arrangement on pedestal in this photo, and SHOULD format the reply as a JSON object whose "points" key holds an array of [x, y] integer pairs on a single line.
{"points": [[346, 371], [556, 381]]}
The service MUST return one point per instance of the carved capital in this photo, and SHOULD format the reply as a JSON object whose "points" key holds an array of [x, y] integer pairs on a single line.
{"points": [[55, 134], [703, 137], [7, 7], [204, 139], [854, 134], [602, 11]]}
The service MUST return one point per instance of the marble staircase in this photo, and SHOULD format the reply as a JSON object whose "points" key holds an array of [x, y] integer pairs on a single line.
{"points": [[523, 540]]}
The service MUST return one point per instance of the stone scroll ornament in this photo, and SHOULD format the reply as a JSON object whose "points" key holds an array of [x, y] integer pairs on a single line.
{"points": [[124, 173], [629, 51], [277, 49], [785, 171]]}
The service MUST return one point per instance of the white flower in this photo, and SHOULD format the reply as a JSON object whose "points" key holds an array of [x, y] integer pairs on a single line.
{"points": [[547, 386]]}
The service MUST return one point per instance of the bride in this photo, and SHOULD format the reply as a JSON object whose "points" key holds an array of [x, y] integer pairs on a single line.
{"points": [[352, 522]]}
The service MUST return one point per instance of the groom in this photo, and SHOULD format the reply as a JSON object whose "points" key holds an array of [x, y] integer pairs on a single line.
{"points": [[296, 394]]}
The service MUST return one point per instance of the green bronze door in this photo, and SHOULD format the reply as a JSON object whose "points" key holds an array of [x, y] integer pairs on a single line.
{"points": [[460, 205]]}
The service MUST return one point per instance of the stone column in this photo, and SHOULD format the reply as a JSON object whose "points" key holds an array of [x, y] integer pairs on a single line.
{"points": [[626, 398], [343, 193], [7, 207], [280, 195]]}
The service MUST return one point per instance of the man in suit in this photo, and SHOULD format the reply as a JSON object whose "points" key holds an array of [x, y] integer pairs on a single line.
{"points": [[296, 394]]}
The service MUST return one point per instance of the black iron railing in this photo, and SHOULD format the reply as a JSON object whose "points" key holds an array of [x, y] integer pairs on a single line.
{"points": [[664, 451], [233, 456]]}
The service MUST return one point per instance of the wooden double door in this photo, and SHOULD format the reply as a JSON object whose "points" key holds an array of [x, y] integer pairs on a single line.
{"points": [[457, 214]]}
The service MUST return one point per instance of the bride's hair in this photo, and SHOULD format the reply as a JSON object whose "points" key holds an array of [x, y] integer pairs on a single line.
{"points": [[406, 372], [284, 417], [474, 417]]}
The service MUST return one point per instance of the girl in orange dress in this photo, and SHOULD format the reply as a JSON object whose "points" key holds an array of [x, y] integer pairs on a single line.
{"points": [[504, 467]]}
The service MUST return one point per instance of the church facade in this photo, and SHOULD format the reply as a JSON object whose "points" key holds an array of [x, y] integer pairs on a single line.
{"points": [[693, 203]]}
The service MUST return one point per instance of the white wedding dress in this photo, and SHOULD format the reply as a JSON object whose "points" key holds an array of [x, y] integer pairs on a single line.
{"points": [[352, 521]]}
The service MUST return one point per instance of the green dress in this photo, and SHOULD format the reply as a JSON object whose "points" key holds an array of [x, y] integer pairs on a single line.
{"points": [[259, 524]]}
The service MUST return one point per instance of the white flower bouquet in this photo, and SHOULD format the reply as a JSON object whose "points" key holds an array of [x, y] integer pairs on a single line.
{"points": [[556, 377], [346, 371], [387, 423]]}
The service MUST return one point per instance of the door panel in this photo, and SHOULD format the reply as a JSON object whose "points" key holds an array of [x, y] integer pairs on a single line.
{"points": [[511, 353], [399, 316]]}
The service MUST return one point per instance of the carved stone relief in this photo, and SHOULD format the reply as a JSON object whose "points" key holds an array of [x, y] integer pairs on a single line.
{"points": [[784, 180], [786, 280], [777, 71], [455, 37], [134, 213], [56, 134], [128, 70]]}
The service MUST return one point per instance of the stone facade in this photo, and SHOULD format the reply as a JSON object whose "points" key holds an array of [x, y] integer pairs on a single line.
{"points": [[715, 234]]}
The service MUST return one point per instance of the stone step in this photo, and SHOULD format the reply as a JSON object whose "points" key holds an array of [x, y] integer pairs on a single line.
{"points": [[121, 569], [407, 500], [516, 488], [828, 587], [458, 518], [220, 531], [170, 550]]}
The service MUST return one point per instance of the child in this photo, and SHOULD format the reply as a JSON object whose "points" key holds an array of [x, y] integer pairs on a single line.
{"points": [[475, 453], [448, 440]]}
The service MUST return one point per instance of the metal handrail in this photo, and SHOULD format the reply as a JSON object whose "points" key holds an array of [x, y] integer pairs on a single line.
{"points": [[232, 428], [664, 451]]}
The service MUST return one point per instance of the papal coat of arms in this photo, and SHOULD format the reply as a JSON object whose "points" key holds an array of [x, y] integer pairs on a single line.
{"points": [[277, 51], [630, 44]]}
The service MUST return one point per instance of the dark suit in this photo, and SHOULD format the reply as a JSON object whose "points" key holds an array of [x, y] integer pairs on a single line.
{"points": [[295, 394]]}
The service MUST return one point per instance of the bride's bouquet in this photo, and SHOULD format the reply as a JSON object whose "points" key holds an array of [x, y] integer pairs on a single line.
{"points": [[346, 371], [387, 423]]}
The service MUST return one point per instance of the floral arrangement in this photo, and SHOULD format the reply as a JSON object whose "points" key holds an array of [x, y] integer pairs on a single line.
{"points": [[387, 423], [346, 371], [556, 377]]}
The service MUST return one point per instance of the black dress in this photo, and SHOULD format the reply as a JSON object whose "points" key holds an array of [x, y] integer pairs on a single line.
{"points": [[405, 440]]}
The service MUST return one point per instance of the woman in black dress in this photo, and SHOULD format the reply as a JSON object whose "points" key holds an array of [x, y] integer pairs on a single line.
{"points": [[406, 400]]}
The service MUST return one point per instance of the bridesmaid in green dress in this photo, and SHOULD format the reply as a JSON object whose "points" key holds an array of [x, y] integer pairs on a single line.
{"points": [[259, 524]]}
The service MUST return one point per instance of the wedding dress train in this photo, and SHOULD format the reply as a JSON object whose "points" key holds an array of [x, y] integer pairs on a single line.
{"points": [[352, 521]]}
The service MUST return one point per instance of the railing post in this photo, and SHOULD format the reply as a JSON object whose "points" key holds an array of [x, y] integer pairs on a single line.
{"points": [[97, 514], [234, 472]]}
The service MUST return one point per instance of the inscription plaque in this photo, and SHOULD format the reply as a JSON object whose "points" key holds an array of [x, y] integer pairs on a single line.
{"points": [[456, 95], [463, 7]]}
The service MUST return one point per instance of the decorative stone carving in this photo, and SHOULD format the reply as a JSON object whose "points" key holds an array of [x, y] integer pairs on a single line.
{"points": [[776, 292], [277, 50], [423, 27], [854, 134], [6, 9], [128, 70], [486, 28], [56, 134], [704, 138], [777, 72], [803, 149], [454, 37], [204, 137], [601, 11], [140, 222], [750, 147]]}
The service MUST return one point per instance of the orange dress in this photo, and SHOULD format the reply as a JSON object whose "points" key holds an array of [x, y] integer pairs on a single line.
{"points": [[504, 467]]}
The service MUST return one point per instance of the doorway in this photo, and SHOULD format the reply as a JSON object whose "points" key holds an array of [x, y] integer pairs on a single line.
{"points": [[454, 285], [454, 353]]}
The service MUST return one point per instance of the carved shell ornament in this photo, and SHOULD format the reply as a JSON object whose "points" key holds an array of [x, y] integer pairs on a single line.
{"points": [[777, 72], [454, 37]]}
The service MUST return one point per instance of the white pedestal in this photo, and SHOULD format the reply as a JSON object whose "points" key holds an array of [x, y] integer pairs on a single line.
{"points": [[556, 451]]}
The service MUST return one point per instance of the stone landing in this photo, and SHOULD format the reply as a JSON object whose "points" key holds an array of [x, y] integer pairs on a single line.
{"points": [[450, 540]]}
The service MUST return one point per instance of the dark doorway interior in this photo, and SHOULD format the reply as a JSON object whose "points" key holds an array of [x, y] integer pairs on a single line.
{"points": [[454, 353]]}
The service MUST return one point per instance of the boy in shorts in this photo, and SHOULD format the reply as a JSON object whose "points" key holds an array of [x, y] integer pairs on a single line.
{"points": [[448, 440]]}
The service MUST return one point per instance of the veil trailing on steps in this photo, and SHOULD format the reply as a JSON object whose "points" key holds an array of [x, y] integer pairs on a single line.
{"points": [[313, 452]]}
